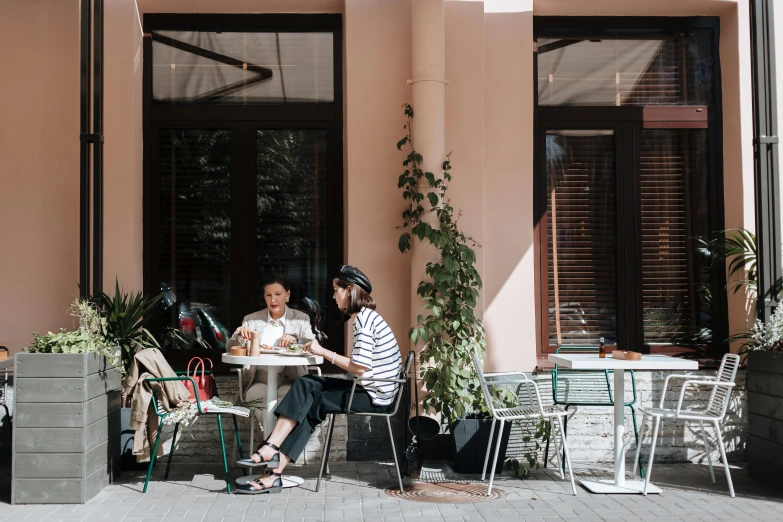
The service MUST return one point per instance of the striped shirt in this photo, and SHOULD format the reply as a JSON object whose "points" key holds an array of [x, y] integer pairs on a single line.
{"points": [[375, 348]]}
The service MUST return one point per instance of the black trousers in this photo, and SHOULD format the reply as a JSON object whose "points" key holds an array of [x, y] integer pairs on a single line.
{"points": [[310, 400]]}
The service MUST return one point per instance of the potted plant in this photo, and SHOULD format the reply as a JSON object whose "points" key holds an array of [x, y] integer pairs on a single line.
{"points": [[450, 328], [124, 318], [763, 349], [67, 420]]}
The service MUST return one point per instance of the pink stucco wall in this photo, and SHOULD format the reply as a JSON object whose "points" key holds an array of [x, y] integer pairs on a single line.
{"points": [[489, 129], [39, 167]]}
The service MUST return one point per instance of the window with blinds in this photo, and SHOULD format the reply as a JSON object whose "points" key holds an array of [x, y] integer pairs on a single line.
{"points": [[581, 236], [674, 216], [625, 208]]}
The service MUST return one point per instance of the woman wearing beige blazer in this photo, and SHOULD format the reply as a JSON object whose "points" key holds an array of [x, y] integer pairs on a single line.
{"points": [[279, 325]]}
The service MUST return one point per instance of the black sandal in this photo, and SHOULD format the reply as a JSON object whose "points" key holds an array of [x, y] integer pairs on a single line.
{"points": [[248, 489], [250, 463]]}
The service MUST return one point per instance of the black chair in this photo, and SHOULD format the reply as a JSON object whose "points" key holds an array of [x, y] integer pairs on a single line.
{"points": [[391, 412]]}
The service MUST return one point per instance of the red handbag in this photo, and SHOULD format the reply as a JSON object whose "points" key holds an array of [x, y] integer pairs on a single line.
{"points": [[205, 383]]}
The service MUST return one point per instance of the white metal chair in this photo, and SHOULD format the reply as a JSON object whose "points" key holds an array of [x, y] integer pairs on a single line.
{"points": [[714, 412], [529, 407]]}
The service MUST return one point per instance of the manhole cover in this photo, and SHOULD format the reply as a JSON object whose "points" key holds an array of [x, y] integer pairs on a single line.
{"points": [[447, 493]]}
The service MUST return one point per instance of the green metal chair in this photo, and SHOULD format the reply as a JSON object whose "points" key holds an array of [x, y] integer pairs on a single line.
{"points": [[162, 415], [587, 388]]}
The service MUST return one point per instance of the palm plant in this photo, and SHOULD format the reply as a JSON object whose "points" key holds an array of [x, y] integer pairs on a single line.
{"points": [[126, 315]]}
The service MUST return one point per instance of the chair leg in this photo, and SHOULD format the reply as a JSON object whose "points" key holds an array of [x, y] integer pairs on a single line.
{"points": [[240, 450], [565, 430], [723, 456], [394, 454], [152, 455], [495, 458], [652, 454], [239, 439], [567, 456], [325, 457], [171, 453], [636, 434], [489, 449], [546, 449], [707, 450], [637, 458], [560, 466], [223, 447]]}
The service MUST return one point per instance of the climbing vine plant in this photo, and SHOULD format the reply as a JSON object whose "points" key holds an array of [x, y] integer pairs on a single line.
{"points": [[449, 328]]}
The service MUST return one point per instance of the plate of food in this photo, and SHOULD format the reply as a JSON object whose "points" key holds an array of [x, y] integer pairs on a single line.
{"points": [[293, 349]]}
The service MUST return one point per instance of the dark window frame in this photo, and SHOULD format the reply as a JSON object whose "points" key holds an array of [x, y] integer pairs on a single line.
{"points": [[242, 121], [627, 121]]}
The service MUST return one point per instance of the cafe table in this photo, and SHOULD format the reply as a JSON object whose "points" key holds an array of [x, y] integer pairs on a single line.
{"points": [[584, 361], [272, 362]]}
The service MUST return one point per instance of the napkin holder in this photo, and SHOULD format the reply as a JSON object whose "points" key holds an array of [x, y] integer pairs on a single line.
{"points": [[626, 356]]}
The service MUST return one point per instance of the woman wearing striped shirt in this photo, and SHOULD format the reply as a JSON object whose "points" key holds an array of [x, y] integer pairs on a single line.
{"points": [[311, 398]]}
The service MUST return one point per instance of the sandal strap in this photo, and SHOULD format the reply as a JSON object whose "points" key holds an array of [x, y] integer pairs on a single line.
{"points": [[271, 446]]}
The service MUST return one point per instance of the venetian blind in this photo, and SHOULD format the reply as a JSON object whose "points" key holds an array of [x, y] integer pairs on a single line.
{"points": [[581, 236], [672, 180]]}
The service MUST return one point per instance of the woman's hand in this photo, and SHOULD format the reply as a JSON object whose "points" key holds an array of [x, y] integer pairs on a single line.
{"points": [[244, 332], [287, 339], [314, 348]]}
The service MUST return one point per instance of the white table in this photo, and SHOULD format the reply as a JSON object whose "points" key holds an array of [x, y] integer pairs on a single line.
{"points": [[583, 361], [272, 362]]}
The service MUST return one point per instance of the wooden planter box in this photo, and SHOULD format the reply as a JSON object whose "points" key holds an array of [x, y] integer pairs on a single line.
{"points": [[66, 436], [765, 417]]}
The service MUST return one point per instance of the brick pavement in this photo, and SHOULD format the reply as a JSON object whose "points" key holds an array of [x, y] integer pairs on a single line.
{"points": [[196, 493]]}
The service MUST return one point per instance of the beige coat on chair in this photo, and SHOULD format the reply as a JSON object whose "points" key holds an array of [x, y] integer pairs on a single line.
{"points": [[150, 363]]}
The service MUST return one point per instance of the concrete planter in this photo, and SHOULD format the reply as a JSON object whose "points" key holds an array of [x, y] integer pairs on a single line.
{"points": [[765, 417], [66, 437]]}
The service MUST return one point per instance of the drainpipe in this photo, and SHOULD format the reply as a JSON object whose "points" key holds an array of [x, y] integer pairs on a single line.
{"points": [[429, 120], [429, 115], [765, 144], [91, 86]]}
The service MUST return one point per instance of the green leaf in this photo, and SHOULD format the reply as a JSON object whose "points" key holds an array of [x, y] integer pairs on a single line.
{"points": [[433, 199], [404, 242]]}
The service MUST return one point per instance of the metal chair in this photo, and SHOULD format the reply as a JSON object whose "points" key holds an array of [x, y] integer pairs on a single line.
{"points": [[714, 411], [391, 412], [587, 388], [163, 414], [4, 388], [529, 407]]}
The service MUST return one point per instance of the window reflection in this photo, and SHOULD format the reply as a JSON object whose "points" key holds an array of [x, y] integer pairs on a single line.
{"points": [[195, 236], [242, 68]]}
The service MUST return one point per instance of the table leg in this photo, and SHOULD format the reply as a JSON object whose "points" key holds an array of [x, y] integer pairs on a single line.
{"points": [[619, 427], [271, 400], [618, 484]]}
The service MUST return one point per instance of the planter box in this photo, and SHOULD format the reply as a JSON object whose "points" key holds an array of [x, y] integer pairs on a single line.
{"points": [[66, 436], [471, 439], [765, 417]]}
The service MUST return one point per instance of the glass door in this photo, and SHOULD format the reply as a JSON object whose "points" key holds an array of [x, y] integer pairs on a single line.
{"points": [[581, 235]]}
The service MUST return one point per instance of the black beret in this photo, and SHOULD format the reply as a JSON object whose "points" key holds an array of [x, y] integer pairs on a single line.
{"points": [[353, 275]]}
